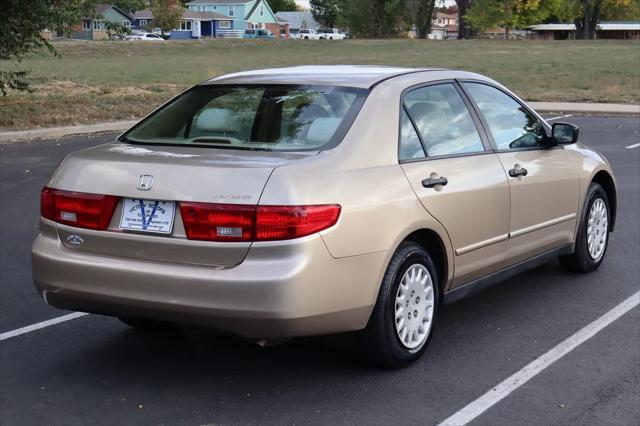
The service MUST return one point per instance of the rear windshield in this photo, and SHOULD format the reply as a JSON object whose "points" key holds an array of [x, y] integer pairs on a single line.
{"points": [[261, 117]]}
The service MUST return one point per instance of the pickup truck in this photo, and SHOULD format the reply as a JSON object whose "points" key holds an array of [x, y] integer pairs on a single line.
{"points": [[331, 34], [307, 34]]}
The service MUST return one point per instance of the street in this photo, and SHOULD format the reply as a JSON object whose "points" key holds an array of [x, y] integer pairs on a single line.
{"points": [[95, 370]]}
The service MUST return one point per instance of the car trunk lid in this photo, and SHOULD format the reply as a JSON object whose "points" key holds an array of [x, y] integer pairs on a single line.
{"points": [[187, 174]]}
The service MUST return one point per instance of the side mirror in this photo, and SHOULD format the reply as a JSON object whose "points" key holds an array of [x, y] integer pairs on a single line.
{"points": [[565, 133]]}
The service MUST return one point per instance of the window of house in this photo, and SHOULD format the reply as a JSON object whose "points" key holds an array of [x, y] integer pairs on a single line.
{"points": [[97, 25], [224, 25], [442, 120], [232, 12], [126, 23], [511, 125], [261, 10], [143, 22], [86, 24], [209, 8], [185, 25]]}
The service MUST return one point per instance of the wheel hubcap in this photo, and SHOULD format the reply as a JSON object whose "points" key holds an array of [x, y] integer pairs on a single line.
{"points": [[597, 228], [414, 306]]}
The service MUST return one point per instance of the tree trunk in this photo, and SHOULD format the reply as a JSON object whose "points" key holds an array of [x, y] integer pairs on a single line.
{"points": [[464, 30], [595, 18], [586, 24]]}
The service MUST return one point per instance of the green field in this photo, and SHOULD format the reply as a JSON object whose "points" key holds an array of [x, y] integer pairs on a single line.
{"points": [[101, 81]]}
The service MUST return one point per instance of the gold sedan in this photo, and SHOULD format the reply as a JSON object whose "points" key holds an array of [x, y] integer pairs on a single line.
{"points": [[314, 200]]}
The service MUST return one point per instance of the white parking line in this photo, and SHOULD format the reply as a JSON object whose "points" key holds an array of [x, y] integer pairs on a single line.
{"points": [[503, 389], [559, 117], [39, 325], [635, 145]]}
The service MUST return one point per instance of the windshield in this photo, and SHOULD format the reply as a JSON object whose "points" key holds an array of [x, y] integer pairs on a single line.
{"points": [[262, 117]]}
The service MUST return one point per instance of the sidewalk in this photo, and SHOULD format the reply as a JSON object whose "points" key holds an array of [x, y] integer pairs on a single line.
{"points": [[605, 109], [118, 126]]}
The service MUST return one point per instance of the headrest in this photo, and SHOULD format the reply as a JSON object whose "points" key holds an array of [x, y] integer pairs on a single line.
{"points": [[322, 129], [430, 119], [305, 113], [219, 120]]}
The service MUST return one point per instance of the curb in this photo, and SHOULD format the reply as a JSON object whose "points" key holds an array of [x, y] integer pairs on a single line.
{"points": [[58, 132], [118, 126], [607, 109]]}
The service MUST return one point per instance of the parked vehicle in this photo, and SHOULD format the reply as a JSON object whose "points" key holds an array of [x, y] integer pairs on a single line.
{"points": [[331, 34], [314, 200], [259, 34], [144, 37], [308, 34]]}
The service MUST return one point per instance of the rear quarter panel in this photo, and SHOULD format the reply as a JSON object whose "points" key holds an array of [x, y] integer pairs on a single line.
{"points": [[362, 174]]}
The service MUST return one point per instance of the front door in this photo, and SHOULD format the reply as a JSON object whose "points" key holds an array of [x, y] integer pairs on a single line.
{"points": [[458, 180], [543, 178]]}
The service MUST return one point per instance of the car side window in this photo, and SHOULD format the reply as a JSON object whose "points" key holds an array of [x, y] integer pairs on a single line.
{"points": [[443, 120], [512, 126], [410, 145]]}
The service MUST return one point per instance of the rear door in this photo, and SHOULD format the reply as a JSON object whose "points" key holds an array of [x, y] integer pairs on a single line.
{"points": [[543, 178], [456, 176]]}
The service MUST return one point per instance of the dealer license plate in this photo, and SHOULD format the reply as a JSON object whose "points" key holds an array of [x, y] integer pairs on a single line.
{"points": [[147, 215]]}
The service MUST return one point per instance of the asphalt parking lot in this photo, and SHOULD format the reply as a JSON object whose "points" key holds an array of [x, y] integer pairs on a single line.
{"points": [[95, 370]]}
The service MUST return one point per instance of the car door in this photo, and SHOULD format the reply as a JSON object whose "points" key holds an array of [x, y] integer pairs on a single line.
{"points": [[457, 177], [542, 177]]}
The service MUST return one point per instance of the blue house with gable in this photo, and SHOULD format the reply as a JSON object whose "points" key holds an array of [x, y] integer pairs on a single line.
{"points": [[245, 14]]}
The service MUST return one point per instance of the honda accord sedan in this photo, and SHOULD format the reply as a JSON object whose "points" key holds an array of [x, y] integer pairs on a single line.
{"points": [[315, 200]]}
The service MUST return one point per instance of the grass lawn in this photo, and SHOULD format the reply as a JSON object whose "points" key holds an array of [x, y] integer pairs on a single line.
{"points": [[101, 81]]}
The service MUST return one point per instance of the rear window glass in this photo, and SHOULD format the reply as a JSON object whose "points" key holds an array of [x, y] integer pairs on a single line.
{"points": [[263, 117]]}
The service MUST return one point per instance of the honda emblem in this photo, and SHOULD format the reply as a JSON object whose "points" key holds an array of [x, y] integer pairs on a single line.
{"points": [[145, 182]]}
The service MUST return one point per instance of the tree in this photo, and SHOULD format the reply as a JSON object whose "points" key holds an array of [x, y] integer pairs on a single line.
{"points": [[130, 5], [326, 12], [421, 15], [590, 12], [167, 14], [21, 31], [508, 14], [116, 30], [373, 18], [282, 5], [464, 30]]}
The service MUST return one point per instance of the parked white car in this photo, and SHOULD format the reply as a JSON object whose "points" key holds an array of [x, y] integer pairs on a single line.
{"points": [[145, 37], [308, 34], [331, 34]]}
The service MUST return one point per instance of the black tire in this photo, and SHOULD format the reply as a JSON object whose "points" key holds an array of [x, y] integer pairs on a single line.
{"points": [[143, 324], [581, 260], [381, 344]]}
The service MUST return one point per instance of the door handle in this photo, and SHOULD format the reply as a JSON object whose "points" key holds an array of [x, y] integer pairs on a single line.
{"points": [[433, 182], [518, 170]]}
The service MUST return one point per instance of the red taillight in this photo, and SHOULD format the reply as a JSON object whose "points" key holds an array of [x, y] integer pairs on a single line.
{"points": [[218, 222], [287, 222], [231, 222], [79, 209]]}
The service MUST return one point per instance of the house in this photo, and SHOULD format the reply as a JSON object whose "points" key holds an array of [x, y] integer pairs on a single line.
{"points": [[624, 30], [94, 28], [444, 26], [192, 24], [298, 20], [245, 13], [553, 31]]}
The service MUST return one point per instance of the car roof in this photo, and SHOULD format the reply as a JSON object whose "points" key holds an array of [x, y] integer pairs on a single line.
{"points": [[363, 76]]}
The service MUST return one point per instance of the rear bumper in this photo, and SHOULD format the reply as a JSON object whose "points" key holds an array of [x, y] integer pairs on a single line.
{"points": [[280, 290]]}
